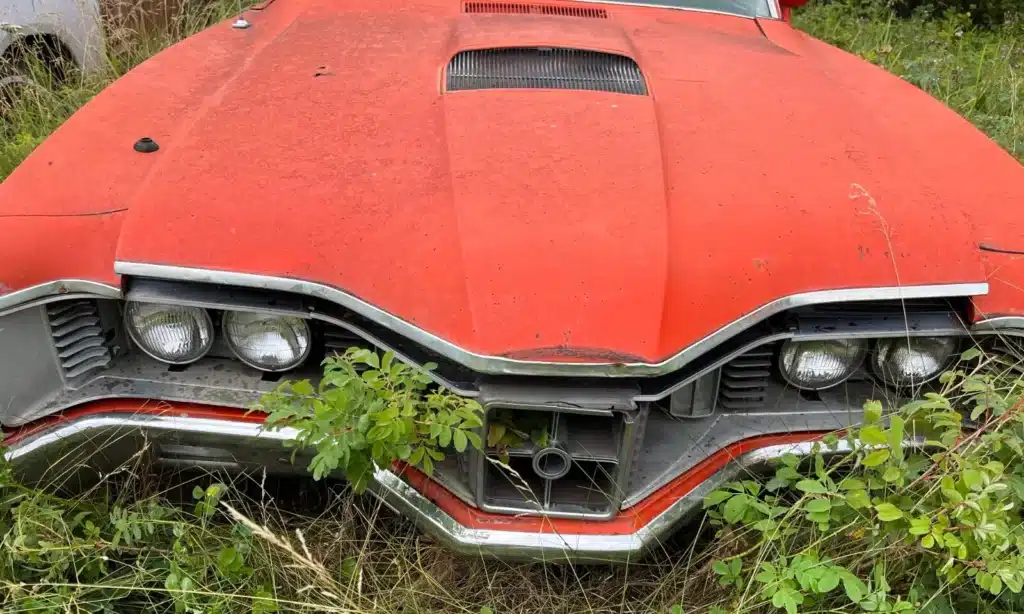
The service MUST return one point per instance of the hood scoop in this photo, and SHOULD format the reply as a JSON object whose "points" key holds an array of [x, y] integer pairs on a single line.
{"points": [[545, 68], [509, 8]]}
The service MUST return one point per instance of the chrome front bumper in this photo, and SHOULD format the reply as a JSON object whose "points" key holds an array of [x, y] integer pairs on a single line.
{"points": [[90, 444]]}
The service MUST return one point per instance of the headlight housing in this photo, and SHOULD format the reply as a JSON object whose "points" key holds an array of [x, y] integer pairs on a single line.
{"points": [[173, 334], [817, 365], [267, 342], [906, 362]]}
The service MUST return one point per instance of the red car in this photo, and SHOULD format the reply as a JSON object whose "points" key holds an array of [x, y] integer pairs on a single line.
{"points": [[681, 233]]}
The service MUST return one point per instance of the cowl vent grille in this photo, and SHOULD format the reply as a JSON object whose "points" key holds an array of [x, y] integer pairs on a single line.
{"points": [[545, 68], [78, 337], [508, 8]]}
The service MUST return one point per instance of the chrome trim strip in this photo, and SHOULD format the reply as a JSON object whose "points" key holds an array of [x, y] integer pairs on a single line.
{"points": [[500, 365], [670, 7], [405, 499], [55, 290], [1000, 324]]}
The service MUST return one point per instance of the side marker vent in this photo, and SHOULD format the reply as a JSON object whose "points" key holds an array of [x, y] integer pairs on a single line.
{"points": [[509, 8], [545, 68], [745, 380], [78, 336]]}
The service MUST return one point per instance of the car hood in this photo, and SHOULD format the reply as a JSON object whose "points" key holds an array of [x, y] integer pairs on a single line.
{"points": [[320, 144]]}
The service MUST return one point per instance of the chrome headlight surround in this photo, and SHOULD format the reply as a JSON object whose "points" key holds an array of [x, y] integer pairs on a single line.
{"points": [[187, 332], [253, 337]]}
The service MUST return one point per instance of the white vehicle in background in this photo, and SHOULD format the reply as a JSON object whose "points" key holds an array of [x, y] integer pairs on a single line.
{"points": [[57, 32]]}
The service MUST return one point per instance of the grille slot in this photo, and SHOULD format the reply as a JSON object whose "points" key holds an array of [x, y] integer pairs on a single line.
{"points": [[78, 337], [597, 448], [511, 8], [545, 68], [337, 340], [745, 379]]}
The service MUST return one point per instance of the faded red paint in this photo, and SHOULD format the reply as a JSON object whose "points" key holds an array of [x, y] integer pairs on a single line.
{"points": [[625, 523], [509, 221]]}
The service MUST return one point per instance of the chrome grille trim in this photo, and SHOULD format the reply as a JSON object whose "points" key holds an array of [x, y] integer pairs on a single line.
{"points": [[516, 8], [544, 68], [78, 337]]}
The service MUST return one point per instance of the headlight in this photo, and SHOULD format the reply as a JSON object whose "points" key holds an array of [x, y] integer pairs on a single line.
{"points": [[173, 334], [816, 365], [265, 341], [914, 361]]}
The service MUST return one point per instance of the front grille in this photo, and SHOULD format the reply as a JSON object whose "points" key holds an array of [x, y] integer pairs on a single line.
{"points": [[580, 470], [745, 379], [509, 8], [545, 68], [78, 337]]}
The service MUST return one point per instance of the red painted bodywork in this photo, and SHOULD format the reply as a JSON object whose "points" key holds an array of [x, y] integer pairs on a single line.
{"points": [[625, 523], [509, 221]]}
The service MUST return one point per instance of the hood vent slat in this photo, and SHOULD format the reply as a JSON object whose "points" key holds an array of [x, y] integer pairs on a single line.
{"points": [[512, 8], [545, 68]]}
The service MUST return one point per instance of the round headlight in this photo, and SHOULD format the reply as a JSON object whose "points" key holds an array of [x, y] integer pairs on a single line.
{"points": [[174, 334], [817, 365], [267, 342], [914, 361]]}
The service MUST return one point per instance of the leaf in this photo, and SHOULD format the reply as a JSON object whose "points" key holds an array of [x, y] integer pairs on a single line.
{"points": [[852, 484], [892, 474], [972, 479], [828, 581], [858, 499], [872, 412], [474, 439], [818, 506], [876, 458], [854, 587], [494, 434], [716, 497], [971, 354], [872, 435], [920, 526], [444, 436], [887, 512], [895, 436], [459, 439], [811, 487], [735, 509]]}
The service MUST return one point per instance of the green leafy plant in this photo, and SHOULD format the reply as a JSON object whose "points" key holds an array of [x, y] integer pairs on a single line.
{"points": [[369, 411], [925, 498]]}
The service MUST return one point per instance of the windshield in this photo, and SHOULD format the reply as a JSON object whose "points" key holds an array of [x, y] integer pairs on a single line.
{"points": [[747, 8]]}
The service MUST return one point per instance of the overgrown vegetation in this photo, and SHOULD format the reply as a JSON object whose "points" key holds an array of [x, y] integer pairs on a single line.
{"points": [[368, 410], [871, 525]]}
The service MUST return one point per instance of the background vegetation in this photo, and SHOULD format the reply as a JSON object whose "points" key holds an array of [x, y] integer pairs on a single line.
{"points": [[908, 532]]}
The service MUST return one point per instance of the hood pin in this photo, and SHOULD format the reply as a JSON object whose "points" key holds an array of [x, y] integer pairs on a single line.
{"points": [[240, 24]]}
